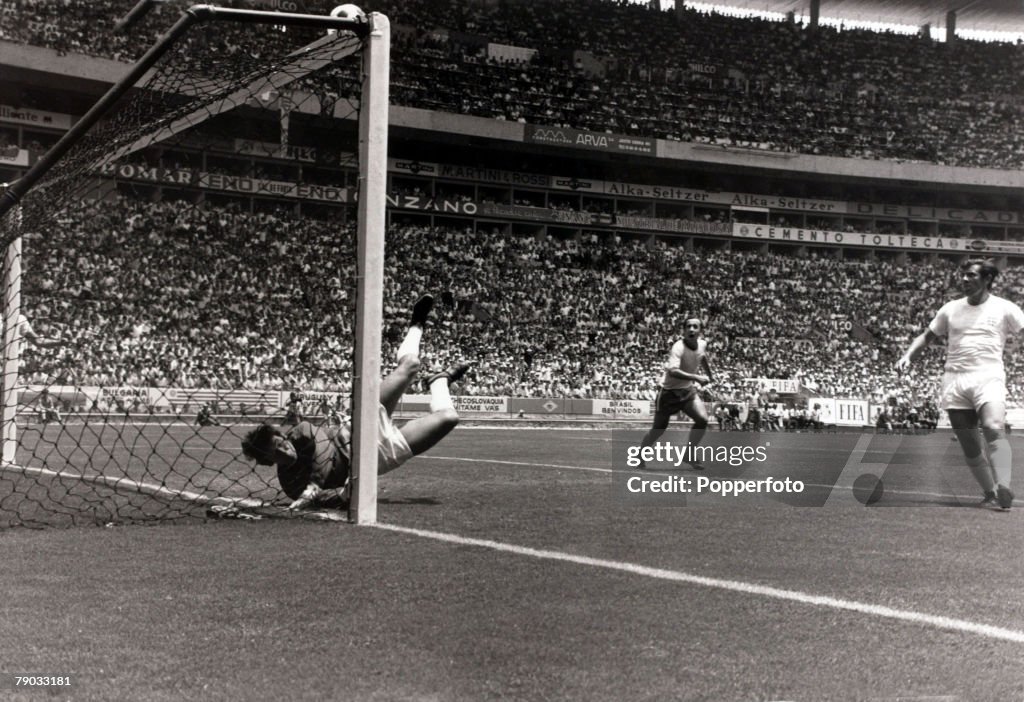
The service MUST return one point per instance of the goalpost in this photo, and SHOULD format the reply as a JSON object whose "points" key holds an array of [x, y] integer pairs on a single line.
{"points": [[147, 161]]}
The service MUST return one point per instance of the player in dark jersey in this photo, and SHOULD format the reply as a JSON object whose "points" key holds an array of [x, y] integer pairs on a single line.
{"points": [[313, 461], [205, 418], [687, 368], [310, 460], [48, 409]]}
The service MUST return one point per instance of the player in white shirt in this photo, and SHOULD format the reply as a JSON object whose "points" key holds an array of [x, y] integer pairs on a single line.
{"points": [[688, 367], [26, 333], [977, 328]]}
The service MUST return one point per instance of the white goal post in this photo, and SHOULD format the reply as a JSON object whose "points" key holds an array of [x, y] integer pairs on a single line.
{"points": [[373, 161]]}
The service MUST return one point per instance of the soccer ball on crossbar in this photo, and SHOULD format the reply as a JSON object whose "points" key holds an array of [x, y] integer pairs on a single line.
{"points": [[352, 12]]}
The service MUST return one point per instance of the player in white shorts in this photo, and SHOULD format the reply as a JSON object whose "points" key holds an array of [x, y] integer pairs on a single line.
{"points": [[687, 369], [313, 462], [977, 328]]}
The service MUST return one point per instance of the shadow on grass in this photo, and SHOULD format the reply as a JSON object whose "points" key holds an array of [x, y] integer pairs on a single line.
{"points": [[409, 501]]}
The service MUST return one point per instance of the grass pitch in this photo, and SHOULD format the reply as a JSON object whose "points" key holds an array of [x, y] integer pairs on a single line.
{"points": [[522, 602]]}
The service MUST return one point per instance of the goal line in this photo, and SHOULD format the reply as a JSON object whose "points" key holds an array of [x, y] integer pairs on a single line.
{"points": [[260, 508]]}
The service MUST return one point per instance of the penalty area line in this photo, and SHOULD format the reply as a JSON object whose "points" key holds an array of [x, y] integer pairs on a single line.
{"points": [[903, 615]]}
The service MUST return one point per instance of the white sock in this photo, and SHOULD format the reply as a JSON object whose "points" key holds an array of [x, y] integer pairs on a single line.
{"points": [[411, 343], [982, 472], [440, 397]]}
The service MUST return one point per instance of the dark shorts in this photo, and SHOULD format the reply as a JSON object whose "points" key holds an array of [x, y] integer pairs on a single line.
{"points": [[674, 401]]}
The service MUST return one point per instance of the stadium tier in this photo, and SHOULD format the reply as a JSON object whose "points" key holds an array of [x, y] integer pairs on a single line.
{"points": [[585, 317], [623, 68]]}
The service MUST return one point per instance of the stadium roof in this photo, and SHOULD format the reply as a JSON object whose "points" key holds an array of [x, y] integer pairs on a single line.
{"points": [[972, 15]]}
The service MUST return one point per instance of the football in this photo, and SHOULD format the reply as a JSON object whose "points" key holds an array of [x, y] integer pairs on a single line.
{"points": [[868, 489], [352, 12]]}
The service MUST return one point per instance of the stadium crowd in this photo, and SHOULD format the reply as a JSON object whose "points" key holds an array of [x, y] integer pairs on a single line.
{"points": [[167, 294], [607, 65]]}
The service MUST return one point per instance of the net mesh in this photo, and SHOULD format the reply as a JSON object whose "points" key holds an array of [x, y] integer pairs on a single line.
{"points": [[185, 273]]}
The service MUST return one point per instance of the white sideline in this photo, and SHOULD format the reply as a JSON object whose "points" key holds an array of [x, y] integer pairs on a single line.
{"points": [[919, 618]]}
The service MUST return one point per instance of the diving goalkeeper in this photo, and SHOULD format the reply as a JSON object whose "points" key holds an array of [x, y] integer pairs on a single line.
{"points": [[313, 462]]}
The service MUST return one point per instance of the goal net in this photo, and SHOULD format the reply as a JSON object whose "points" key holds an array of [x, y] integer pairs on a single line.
{"points": [[186, 271]]}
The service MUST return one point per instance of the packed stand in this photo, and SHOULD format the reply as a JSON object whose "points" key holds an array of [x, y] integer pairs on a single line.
{"points": [[604, 65], [167, 294]]}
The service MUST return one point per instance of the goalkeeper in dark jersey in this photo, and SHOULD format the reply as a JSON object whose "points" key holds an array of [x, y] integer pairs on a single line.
{"points": [[313, 461]]}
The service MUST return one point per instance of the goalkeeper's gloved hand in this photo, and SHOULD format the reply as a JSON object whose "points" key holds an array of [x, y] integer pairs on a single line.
{"points": [[308, 495]]}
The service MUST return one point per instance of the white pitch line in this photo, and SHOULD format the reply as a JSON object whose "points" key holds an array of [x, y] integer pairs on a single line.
{"points": [[591, 469], [919, 618]]}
